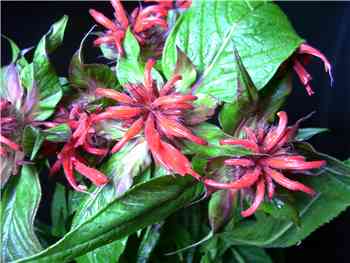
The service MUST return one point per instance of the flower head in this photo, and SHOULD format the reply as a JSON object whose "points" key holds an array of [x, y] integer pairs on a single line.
{"points": [[303, 54], [158, 113], [8, 124], [83, 137], [271, 155], [142, 22]]}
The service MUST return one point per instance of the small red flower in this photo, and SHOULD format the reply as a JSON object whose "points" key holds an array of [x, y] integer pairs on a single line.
{"points": [[141, 21], [159, 114], [303, 54], [82, 124], [8, 124], [263, 169]]}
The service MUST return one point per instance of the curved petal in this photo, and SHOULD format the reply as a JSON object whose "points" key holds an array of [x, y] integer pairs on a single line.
{"points": [[259, 198]]}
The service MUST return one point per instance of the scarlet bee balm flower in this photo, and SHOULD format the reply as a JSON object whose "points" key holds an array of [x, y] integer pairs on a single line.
{"points": [[140, 21], [271, 155], [82, 125], [159, 113]]}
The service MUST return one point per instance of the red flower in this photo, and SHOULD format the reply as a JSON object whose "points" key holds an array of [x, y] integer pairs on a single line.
{"points": [[8, 124], [304, 52], [159, 114], [141, 21], [263, 169], [82, 124]]}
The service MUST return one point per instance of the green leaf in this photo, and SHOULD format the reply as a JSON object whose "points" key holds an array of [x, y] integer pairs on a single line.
{"points": [[307, 133], [59, 211], [148, 243], [83, 75], [59, 133], [32, 140], [220, 208], [130, 69], [209, 31], [243, 111], [212, 134], [250, 254], [143, 205], [132, 160], [47, 81], [185, 68], [333, 197], [108, 254], [14, 49], [19, 204]]}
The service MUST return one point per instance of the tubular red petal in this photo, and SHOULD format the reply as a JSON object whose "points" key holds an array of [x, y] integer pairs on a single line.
{"points": [[248, 179], [244, 143], [307, 49], [118, 113], [270, 187], [303, 75], [55, 167], [292, 163], [177, 106], [114, 95], [173, 99], [102, 20], [137, 92], [92, 174], [259, 198], [275, 135], [250, 134], [240, 162], [94, 150], [120, 14], [9, 143], [103, 40], [174, 128], [287, 183], [148, 77], [168, 87], [167, 155], [68, 171], [135, 129]]}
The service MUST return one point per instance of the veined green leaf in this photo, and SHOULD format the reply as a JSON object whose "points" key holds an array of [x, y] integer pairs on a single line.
{"points": [[148, 243], [130, 69], [208, 32], [19, 204], [59, 133], [143, 205], [46, 79], [212, 134], [59, 211], [32, 140], [307, 133]]}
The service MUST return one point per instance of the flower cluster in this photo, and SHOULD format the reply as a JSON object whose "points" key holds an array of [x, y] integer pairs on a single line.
{"points": [[158, 113], [143, 22], [271, 153], [83, 136]]}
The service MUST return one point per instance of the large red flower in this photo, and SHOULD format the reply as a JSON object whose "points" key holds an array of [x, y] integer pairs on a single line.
{"points": [[81, 123], [141, 21], [304, 53], [159, 113], [271, 155]]}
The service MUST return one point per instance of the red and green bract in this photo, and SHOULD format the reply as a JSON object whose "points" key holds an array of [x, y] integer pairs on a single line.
{"points": [[270, 155]]}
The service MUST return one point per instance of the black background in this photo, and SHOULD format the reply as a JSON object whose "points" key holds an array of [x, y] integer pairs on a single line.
{"points": [[325, 25]]}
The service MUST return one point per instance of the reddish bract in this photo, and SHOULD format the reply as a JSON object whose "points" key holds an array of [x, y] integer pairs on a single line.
{"points": [[271, 155], [159, 114], [8, 124]]}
